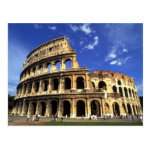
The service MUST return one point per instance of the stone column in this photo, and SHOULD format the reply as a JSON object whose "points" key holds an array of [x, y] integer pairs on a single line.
{"points": [[73, 88], [59, 108], [48, 108], [53, 66], [33, 87], [88, 107], [23, 108], [30, 108], [38, 108], [73, 62], [40, 86], [121, 109], [87, 81], [103, 107], [61, 85], [111, 109], [50, 85], [73, 109], [63, 65]]}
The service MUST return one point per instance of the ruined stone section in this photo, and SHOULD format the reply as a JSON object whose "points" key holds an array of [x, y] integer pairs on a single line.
{"points": [[48, 86]]}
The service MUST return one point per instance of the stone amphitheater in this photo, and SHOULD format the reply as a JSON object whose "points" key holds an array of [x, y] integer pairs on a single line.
{"points": [[52, 82]]}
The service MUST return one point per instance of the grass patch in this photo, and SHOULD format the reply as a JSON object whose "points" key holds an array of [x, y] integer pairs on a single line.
{"points": [[59, 123]]}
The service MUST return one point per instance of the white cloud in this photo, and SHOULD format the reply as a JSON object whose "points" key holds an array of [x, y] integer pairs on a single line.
{"points": [[52, 27], [86, 28], [91, 46], [74, 28], [112, 53], [113, 62], [125, 50], [120, 61], [37, 26]]}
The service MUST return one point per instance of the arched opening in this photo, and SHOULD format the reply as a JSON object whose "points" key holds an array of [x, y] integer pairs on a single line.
{"points": [[80, 83], [66, 108], [124, 107], [133, 93], [119, 82], [129, 109], [95, 108], [41, 69], [114, 89], [126, 93], [26, 108], [43, 108], [130, 93], [58, 65], [68, 64], [80, 108], [120, 91], [134, 110], [55, 84], [30, 87], [33, 110], [48, 67], [34, 71], [29, 73], [25, 88], [54, 107], [116, 109], [102, 85], [36, 87], [67, 83], [45, 85]]}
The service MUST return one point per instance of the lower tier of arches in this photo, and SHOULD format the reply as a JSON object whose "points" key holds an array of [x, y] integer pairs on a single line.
{"points": [[76, 107]]}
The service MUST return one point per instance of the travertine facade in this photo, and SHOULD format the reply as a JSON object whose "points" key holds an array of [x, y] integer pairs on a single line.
{"points": [[45, 89]]}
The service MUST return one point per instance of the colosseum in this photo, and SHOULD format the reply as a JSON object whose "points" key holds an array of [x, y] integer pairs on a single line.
{"points": [[48, 87]]}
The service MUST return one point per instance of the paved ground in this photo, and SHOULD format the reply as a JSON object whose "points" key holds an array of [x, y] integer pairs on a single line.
{"points": [[21, 120]]}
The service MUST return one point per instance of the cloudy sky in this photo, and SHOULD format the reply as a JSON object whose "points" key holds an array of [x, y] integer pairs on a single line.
{"points": [[114, 47]]}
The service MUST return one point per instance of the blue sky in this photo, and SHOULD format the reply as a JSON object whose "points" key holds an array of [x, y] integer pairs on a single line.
{"points": [[115, 47]]}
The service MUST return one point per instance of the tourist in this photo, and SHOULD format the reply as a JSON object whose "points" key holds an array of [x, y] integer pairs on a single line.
{"points": [[61, 118], [27, 119]]}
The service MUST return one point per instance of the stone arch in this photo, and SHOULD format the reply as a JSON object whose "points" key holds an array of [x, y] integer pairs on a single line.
{"points": [[95, 108], [55, 84], [54, 105], [129, 109], [120, 91], [133, 93], [130, 92], [66, 108], [67, 83], [48, 66], [36, 87], [42, 108], [34, 71], [102, 85], [26, 108], [80, 83], [40, 69], [68, 63], [125, 91], [33, 108], [119, 82], [93, 85], [116, 109], [114, 89], [45, 85], [58, 65], [80, 108]]}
